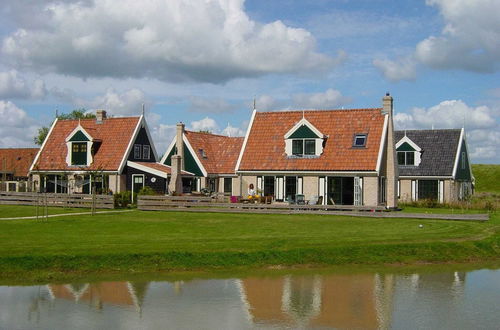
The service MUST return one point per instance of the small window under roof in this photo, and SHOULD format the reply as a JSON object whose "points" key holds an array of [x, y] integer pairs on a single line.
{"points": [[359, 140]]}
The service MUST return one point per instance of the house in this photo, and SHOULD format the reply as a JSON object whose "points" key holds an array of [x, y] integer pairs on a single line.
{"points": [[14, 165], [210, 157], [108, 154], [433, 164], [343, 157]]}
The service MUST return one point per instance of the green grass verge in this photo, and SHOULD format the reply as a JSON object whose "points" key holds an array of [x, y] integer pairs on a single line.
{"points": [[487, 178], [138, 241], [11, 211]]}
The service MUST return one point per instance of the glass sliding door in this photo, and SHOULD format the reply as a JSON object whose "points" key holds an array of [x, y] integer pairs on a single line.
{"points": [[340, 191], [290, 188], [269, 186], [428, 189]]}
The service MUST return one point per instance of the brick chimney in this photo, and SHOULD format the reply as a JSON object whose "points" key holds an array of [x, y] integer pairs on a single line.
{"points": [[391, 166], [100, 115], [179, 144]]}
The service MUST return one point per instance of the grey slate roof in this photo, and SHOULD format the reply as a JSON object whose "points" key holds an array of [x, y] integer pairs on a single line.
{"points": [[439, 149]]}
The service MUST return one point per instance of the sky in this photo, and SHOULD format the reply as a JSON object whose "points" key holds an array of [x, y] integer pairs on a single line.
{"points": [[204, 62]]}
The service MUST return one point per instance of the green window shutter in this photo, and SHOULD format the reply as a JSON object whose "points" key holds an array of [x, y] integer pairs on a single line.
{"points": [[79, 153]]}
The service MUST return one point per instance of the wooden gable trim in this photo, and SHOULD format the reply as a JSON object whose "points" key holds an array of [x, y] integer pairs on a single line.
{"points": [[457, 155], [147, 169], [43, 144], [242, 151], [130, 144], [304, 122], [383, 138], [194, 155], [151, 143], [410, 142], [169, 150]]}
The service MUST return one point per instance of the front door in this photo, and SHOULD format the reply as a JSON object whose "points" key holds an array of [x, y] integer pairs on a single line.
{"points": [[137, 184]]}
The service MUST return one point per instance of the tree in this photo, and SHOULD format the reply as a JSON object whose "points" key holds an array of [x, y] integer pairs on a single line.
{"points": [[75, 114]]}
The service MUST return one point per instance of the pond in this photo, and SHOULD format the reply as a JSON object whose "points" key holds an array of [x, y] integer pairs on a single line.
{"points": [[316, 300]]}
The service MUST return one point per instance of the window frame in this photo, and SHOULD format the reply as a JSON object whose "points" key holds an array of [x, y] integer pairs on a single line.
{"points": [[304, 151], [146, 155], [405, 163], [137, 151], [357, 136]]}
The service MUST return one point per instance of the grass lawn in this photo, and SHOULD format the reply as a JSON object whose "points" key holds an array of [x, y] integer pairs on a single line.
{"points": [[10, 211], [148, 241], [487, 178]]}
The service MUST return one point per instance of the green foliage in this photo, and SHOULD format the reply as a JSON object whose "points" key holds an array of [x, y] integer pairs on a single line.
{"points": [[41, 135], [75, 114], [146, 191], [123, 199], [487, 178]]}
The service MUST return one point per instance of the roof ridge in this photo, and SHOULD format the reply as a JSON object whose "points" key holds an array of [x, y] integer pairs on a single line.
{"points": [[212, 134], [319, 110]]}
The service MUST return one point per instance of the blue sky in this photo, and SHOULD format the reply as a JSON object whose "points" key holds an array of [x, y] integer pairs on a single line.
{"points": [[203, 62]]}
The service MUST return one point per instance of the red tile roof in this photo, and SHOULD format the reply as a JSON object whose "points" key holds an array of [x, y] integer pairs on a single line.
{"points": [[17, 160], [221, 152], [114, 135], [265, 148]]}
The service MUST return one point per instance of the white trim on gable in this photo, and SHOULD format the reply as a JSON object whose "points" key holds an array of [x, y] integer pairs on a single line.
{"points": [[169, 149], [79, 128], [195, 156], [457, 155], [43, 144], [147, 169], [410, 142], [151, 144], [383, 138], [245, 141], [304, 122], [130, 144]]}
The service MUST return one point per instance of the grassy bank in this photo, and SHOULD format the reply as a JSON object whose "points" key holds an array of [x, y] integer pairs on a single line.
{"points": [[10, 211], [487, 178], [138, 241]]}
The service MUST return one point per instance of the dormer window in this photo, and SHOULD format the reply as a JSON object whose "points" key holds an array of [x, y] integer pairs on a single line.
{"points": [[303, 147], [406, 158], [359, 140], [304, 140], [408, 152], [79, 153], [79, 144]]}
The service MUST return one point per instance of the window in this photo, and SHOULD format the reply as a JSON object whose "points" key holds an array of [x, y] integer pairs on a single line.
{"points": [[228, 185], [406, 158], [428, 189], [309, 147], [137, 151], [463, 160], [303, 147], [79, 153], [297, 147], [146, 150], [202, 153], [359, 140], [269, 186]]}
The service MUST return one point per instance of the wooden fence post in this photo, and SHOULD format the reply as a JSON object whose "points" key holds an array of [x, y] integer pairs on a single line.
{"points": [[93, 201]]}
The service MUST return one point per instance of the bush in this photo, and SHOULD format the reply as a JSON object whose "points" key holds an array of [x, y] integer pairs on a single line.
{"points": [[122, 199], [146, 191]]}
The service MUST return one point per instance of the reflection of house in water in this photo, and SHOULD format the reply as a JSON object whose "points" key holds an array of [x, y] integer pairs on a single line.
{"points": [[99, 294], [336, 301]]}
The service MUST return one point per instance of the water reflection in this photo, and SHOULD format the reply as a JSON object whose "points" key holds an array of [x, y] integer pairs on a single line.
{"points": [[340, 301]]}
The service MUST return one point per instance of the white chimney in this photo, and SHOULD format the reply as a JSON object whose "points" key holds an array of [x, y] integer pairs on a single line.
{"points": [[100, 115]]}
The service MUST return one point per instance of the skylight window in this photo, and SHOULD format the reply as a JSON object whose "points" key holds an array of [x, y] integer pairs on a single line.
{"points": [[359, 140]]}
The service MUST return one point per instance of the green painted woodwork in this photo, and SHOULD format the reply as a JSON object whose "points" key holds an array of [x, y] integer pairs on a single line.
{"points": [[303, 132], [463, 168], [405, 147], [78, 136], [189, 161], [79, 153]]}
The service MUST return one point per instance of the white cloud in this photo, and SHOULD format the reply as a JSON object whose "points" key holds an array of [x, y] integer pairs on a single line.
{"points": [[209, 105], [205, 124], [469, 39], [115, 103], [233, 131], [330, 99], [175, 40], [402, 69], [13, 85], [17, 129], [481, 125]]}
